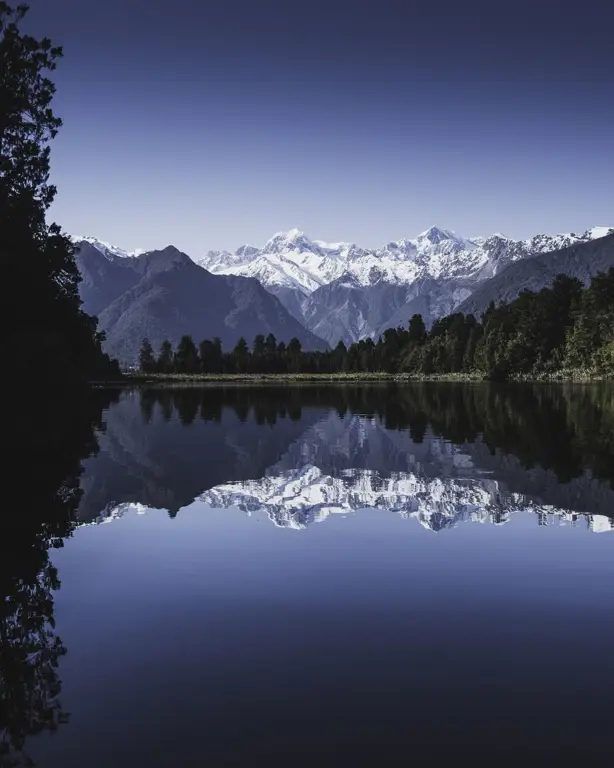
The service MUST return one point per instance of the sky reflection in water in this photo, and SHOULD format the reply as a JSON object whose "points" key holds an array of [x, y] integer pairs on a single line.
{"points": [[211, 621]]}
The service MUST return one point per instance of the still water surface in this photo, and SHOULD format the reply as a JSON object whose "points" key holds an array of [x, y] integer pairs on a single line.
{"points": [[323, 576]]}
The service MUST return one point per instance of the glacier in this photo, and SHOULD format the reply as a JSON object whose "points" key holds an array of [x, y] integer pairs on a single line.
{"points": [[291, 259]]}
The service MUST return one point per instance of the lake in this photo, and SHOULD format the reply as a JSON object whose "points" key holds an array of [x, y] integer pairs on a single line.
{"points": [[391, 574]]}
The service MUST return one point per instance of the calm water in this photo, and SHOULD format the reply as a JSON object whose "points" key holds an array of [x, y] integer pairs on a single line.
{"points": [[388, 575]]}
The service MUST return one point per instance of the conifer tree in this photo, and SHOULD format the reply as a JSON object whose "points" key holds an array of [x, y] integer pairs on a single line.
{"points": [[164, 363], [186, 356], [147, 361]]}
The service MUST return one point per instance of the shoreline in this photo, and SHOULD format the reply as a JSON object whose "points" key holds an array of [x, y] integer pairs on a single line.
{"points": [[140, 379]]}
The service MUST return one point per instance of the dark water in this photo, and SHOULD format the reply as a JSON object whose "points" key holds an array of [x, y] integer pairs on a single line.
{"points": [[388, 575]]}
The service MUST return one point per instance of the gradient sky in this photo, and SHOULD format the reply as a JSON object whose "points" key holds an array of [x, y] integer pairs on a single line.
{"points": [[212, 124]]}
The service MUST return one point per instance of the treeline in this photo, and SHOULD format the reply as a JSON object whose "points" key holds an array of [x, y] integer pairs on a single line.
{"points": [[266, 355], [564, 327], [559, 328]]}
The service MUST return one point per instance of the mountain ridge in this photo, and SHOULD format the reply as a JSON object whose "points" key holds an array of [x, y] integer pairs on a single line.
{"points": [[582, 260], [341, 291], [436, 252], [165, 294]]}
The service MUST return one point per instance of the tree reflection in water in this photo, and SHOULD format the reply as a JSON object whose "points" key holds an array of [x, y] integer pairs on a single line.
{"points": [[46, 434], [567, 428]]}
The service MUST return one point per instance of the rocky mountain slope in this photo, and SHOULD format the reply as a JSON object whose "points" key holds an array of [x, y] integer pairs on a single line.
{"points": [[316, 290], [343, 291], [582, 260], [164, 294]]}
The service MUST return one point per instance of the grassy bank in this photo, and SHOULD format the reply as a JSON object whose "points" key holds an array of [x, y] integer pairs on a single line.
{"points": [[289, 377], [166, 379]]}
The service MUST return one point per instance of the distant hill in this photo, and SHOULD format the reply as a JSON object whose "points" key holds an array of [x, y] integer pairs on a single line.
{"points": [[164, 294], [583, 260]]}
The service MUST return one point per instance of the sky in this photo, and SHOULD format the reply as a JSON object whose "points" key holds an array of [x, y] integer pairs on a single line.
{"points": [[212, 124]]}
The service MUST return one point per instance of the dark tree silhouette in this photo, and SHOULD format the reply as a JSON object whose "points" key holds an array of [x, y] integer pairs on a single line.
{"points": [[564, 326], [164, 363], [48, 332], [147, 361], [186, 356], [239, 358], [32, 524], [294, 355], [417, 329]]}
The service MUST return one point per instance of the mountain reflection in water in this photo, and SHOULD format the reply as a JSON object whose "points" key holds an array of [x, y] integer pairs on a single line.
{"points": [[357, 633], [442, 454]]}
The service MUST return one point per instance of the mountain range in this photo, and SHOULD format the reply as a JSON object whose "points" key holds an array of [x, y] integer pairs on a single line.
{"points": [[319, 292], [343, 291], [164, 294], [581, 260]]}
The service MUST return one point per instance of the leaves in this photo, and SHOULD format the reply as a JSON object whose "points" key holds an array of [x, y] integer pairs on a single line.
{"points": [[48, 331]]}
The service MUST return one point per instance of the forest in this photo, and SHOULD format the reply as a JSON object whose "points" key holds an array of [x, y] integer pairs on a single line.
{"points": [[563, 329]]}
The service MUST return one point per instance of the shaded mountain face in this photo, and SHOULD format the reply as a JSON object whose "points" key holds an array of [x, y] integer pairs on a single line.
{"points": [[346, 310], [148, 456], [341, 291], [583, 260], [330, 291], [104, 279], [164, 294]]}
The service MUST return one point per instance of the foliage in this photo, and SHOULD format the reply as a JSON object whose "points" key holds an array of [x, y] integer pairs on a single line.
{"points": [[186, 356], [560, 328], [147, 361], [34, 521], [49, 331], [164, 362]]}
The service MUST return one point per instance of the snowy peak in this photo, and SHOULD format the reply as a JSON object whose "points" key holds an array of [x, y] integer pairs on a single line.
{"points": [[301, 497], [108, 251], [369, 289], [596, 232], [222, 262], [342, 291], [246, 251], [293, 260], [435, 235], [291, 236], [293, 240]]}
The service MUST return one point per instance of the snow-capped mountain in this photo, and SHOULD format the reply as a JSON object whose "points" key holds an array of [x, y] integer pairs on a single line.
{"points": [[290, 259], [164, 294], [299, 498], [343, 291], [106, 249]]}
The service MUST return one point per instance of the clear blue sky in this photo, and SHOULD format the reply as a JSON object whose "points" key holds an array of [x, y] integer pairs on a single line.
{"points": [[212, 124]]}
